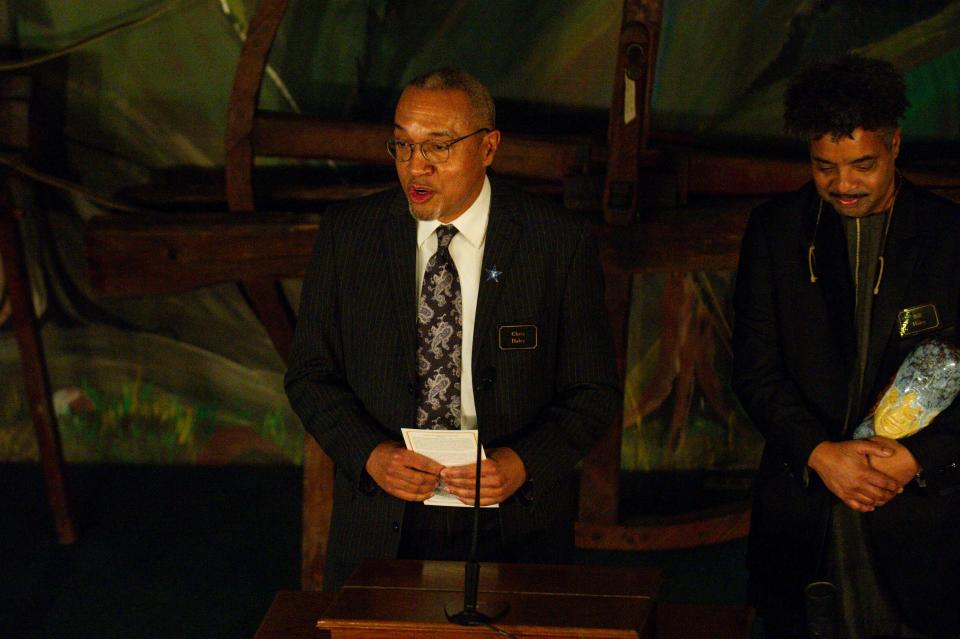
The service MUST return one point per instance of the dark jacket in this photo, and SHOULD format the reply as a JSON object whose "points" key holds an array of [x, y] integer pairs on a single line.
{"points": [[352, 371], [794, 354]]}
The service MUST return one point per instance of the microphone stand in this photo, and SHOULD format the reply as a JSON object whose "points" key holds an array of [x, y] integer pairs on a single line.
{"points": [[470, 616]]}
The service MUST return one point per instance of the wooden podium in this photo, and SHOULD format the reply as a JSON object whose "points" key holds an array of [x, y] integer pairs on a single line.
{"points": [[408, 598]]}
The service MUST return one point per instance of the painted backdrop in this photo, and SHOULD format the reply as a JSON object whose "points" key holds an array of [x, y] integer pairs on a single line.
{"points": [[192, 378]]}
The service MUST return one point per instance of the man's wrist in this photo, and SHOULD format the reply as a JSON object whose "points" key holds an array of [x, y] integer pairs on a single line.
{"points": [[814, 457]]}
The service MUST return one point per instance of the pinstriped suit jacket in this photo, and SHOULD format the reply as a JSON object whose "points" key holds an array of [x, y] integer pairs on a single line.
{"points": [[352, 369]]}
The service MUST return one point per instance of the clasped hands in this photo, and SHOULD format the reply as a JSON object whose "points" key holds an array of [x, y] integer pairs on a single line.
{"points": [[412, 477], [864, 473]]}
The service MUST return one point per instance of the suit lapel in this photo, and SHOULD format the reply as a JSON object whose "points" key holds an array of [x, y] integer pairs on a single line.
{"points": [[833, 275], [399, 250], [503, 236], [900, 257]]}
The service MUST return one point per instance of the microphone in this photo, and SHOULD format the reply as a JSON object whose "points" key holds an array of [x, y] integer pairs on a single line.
{"points": [[820, 601], [470, 615]]}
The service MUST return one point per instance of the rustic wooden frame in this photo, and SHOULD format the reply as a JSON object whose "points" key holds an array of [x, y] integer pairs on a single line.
{"points": [[693, 240], [36, 379], [258, 248]]}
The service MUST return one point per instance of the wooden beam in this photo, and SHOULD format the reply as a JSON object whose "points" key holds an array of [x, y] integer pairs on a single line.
{"points": [[265, 296], [168, 253], [300, 136], [718, 173], [243, 102], [600, 475], [629, 126], [692, 530], [318, 471], [175, 253], [288, 189], [539, 157], [33, 363], [727, 174], [705, 238]]}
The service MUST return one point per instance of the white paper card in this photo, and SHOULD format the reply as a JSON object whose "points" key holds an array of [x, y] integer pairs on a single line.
{"points": [[448, 448]]}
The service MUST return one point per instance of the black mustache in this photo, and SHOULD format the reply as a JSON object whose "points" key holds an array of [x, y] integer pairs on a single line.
{"points": [[847, 196]]}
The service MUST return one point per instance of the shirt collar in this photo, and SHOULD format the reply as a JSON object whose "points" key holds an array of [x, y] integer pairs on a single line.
{"points": [[471, 224]]}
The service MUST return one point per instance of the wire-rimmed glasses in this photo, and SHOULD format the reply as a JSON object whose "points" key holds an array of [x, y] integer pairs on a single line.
{"points": [[433, 151]]}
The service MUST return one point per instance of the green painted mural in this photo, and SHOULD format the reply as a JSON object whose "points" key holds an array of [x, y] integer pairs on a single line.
{"points": [[679, 411], [192, 378]]}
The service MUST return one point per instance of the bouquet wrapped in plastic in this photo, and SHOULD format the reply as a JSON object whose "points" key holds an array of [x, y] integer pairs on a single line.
{"points": [[927, 382]]}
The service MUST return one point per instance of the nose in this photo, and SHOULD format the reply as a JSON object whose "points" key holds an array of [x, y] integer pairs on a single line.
{"points": [[847, 180], [419, 164]]}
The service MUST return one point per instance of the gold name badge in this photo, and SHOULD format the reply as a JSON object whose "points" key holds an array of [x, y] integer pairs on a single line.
{"points": [[918, 319], [518, 337]]}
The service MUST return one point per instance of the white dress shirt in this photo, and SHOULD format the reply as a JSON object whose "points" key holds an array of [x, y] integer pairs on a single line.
{"points": [[466, 249]]}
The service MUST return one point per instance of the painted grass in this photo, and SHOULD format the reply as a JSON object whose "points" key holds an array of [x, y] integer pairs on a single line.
{"points": [[141, 423]]}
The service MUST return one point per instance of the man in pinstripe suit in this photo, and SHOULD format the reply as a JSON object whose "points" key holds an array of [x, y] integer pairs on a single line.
{"points": [[534, 358]]}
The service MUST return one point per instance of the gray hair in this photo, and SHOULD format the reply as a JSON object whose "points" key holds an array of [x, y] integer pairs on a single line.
{"points": [[452, 79]]}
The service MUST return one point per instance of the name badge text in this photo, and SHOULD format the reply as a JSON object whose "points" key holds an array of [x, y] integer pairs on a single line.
{"points": [[518, 337]]}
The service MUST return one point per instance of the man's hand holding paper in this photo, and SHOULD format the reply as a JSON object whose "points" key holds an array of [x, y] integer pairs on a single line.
{"points": [[455, 453], [500, 476], [403, 473]]}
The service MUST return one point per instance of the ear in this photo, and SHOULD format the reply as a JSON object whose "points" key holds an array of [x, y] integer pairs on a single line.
{"points": [[895, 143], [491, 142]]}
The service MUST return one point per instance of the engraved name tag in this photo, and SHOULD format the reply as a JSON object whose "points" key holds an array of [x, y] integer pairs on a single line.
{"points": [[918, 319], [518, 337]]}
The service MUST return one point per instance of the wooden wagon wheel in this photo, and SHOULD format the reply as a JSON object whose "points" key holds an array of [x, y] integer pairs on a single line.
{"points": [[265, 296], [251, 132]]}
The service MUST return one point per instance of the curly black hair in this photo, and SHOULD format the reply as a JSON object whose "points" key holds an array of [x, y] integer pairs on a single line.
{"points": [[844, 94]]}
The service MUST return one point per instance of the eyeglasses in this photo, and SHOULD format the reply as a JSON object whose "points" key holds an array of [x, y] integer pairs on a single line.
{"points": [[434, 152]]}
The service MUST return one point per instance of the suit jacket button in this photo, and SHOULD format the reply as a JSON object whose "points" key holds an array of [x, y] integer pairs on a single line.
{"points": [[412, 389], [487, 378], [396, 526]]}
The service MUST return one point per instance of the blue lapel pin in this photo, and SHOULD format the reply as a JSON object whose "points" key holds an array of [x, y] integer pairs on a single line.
{"points": [[494, 274]]}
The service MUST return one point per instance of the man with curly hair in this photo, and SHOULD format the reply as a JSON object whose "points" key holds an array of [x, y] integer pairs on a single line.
{"points": [[837, 283]]}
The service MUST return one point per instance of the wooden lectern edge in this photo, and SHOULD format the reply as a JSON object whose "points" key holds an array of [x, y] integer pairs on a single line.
{"points": [[356, 628], [618, 613], [497, 591], [522, 630], [448, 576]]}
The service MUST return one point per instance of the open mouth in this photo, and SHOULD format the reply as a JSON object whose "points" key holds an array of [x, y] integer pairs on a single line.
{"points": [[419, 194]]}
